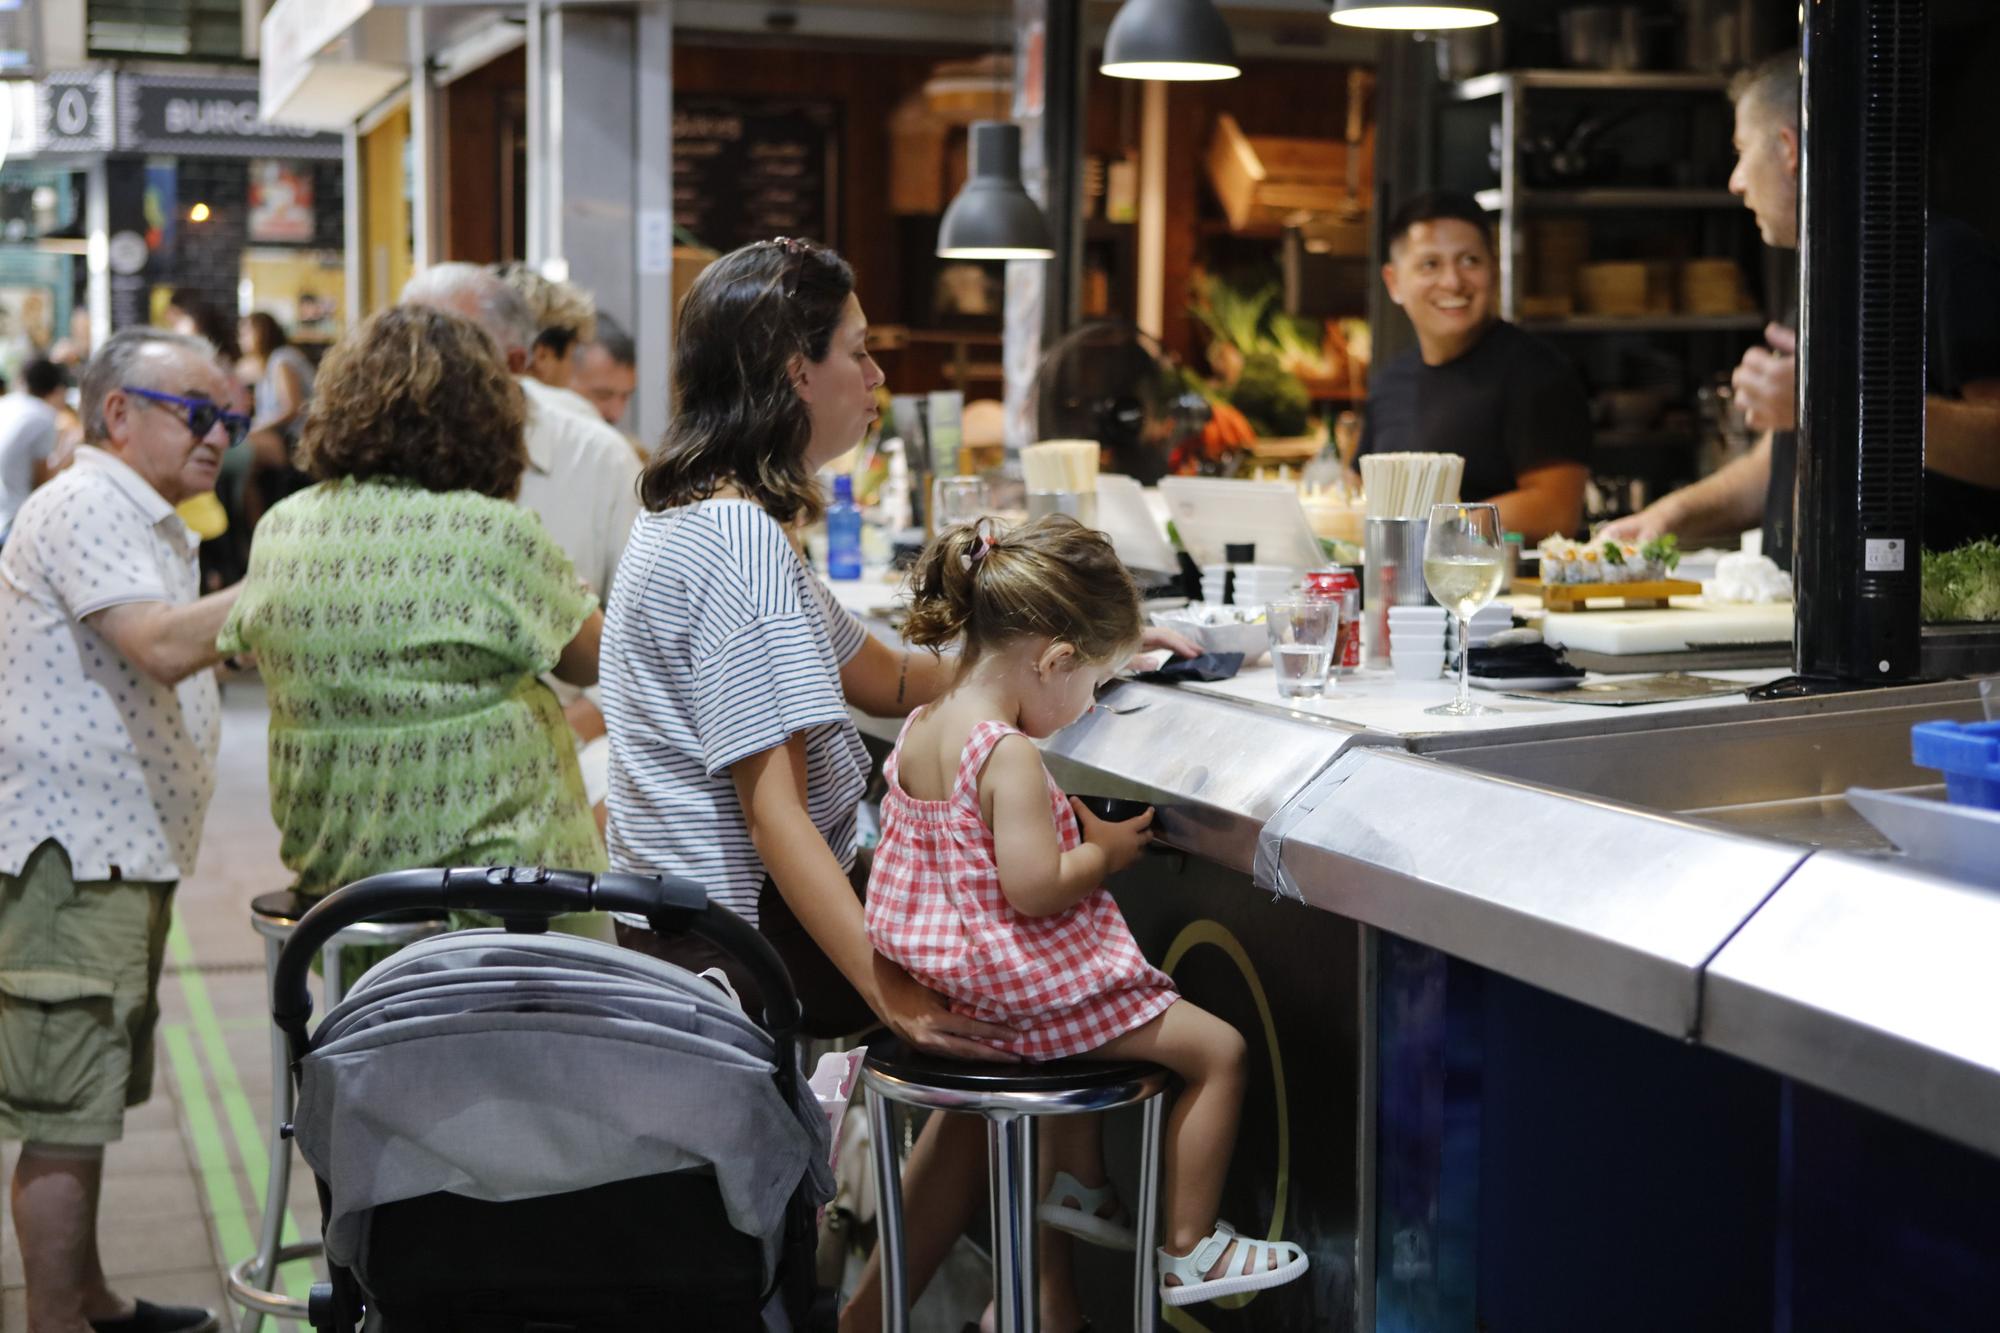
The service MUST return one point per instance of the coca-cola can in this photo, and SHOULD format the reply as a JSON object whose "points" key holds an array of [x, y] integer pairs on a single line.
{"points": [[1339, 584]]}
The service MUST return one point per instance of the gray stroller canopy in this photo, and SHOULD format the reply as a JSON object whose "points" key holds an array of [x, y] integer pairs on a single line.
{"points": [[505, 1067]]}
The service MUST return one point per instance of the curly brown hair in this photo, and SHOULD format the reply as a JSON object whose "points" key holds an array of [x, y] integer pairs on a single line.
{"points": [[417, 392], [983, 585]]}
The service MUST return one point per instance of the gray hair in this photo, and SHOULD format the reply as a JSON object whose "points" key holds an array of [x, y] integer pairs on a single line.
{"points": [[617, 343], [1772, 87], [114, 363], [471, 290]]}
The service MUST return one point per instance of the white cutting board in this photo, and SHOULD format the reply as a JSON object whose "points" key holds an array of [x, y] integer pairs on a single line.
{"points": [[1668, 630]]}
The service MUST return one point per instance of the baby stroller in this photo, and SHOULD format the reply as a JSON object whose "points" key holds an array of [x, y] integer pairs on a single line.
{"points": [[512, 1130]]}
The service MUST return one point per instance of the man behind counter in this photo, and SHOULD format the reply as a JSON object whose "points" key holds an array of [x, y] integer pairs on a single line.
{"points": [[1961, 355], [1475, 385]]}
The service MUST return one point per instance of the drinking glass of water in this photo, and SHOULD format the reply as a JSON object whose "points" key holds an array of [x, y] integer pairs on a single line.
{"points": [[956, 500], [1302, 639], [1463, 565]]}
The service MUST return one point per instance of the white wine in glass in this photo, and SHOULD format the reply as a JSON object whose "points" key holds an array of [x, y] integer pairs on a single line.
{"points": [[1463, 567]]}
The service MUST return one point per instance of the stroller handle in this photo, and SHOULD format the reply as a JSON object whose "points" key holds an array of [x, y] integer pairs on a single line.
{"points": [[526, 897]]}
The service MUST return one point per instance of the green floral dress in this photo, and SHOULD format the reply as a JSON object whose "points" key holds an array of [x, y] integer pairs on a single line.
{"points": [[400, 633]]}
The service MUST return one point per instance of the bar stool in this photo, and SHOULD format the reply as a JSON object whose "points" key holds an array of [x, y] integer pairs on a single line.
{"points": [[273, 915], [1009, 1096]]}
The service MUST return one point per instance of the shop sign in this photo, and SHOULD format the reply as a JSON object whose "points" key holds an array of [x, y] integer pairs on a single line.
{"points": [[208, 117], [73, 113], [17, 119]]}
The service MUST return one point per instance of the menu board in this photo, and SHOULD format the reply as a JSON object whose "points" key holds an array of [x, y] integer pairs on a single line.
{"points": [[749, 169]]}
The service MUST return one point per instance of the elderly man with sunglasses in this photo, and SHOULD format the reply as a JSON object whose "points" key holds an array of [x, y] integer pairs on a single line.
{"points": [[108, 730]]}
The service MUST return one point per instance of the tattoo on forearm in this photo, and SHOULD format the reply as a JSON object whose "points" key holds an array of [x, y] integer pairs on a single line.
{"points": [[902, 677]]}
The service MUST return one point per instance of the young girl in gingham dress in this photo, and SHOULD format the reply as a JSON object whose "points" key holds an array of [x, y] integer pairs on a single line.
{"points": [[988, 882]]}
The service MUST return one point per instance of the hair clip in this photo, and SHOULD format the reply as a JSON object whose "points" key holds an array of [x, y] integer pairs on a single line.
{"points": [[979, 550]]}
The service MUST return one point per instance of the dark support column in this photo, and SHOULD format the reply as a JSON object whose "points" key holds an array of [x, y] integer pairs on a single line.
{"points": [[1859, 537], [1066, 67], [1405, 162]]}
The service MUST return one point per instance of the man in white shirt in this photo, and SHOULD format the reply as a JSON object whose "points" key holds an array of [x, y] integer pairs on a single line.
{"points": [[108, 736], [28, 437], [582, 477]]}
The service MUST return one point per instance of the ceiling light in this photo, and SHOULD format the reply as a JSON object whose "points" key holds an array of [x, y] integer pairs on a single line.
{"points": [[992, 217], [1179, 41], [199, 213], [1410, 15]]}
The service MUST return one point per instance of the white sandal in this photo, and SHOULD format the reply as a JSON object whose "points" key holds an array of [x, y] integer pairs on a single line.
{"points": [[1193, 1283], [1074, 1207]]}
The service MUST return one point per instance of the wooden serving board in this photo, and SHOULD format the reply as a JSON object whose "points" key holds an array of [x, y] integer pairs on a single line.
{"points": [[1577, 596]]}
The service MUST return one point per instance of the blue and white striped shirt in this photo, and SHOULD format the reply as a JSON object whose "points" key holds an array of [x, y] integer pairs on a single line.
{"points": [[719, 644]]}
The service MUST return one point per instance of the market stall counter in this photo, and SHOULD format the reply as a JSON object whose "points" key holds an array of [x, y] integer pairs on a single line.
{"points": [[1557, 1016]]}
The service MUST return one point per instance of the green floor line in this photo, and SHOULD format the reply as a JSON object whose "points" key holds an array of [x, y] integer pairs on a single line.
{"points": [[252, 1149], [225, 1204]]}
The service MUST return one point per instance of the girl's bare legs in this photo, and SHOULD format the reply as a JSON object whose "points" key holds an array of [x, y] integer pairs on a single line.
{"points": [[1207, 1054]]}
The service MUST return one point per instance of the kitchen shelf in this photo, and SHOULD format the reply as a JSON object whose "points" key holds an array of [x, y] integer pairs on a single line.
{"points": [[1484, 86], [1635, 441], [1609, 200], [1749, 323]]}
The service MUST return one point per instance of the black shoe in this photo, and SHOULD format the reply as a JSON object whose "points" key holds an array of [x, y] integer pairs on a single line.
{"points": [[147, 1317]]}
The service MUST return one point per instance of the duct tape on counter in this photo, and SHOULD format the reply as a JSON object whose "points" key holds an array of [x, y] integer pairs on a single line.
{"points": [[1269, 871]]}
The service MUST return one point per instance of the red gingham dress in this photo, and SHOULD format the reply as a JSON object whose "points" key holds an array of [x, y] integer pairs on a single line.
{"points": [[1069, 982]]}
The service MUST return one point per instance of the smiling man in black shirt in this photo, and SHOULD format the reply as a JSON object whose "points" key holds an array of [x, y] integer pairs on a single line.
{"points": [[1475, 385]]}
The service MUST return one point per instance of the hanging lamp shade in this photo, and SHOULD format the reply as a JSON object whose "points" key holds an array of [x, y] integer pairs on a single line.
{"points": [[1412, 15], [993, 217], [1178, 41]]}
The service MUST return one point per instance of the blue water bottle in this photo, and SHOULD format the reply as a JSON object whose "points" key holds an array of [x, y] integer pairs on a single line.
{"points": [[843, 532]]}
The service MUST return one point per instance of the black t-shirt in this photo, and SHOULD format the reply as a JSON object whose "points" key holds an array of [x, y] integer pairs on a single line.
{"points": [[1510, 405], [1961, 344]]}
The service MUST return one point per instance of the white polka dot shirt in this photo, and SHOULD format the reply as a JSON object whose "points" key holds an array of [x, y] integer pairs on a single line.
{"points": [[94, 753]]}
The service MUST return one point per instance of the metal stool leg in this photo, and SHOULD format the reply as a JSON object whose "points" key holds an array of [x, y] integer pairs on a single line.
{"points": [[1010, 1147], [1146, 1278], [889, 1213], [277, 1188], [329, 963]]}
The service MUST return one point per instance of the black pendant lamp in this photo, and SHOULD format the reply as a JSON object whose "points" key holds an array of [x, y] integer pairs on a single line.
{"points": [[1179, 41], [1412, 15], [993, 217]]}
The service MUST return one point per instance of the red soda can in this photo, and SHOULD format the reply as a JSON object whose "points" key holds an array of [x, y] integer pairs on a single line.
{"points": [[1337, 583]]}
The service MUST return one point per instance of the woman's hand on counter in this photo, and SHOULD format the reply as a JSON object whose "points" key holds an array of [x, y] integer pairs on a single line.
{"points": [[1154, 636], [921, 1017]]}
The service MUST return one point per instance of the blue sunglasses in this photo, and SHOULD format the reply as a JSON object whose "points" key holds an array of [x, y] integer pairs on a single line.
{"points": [[202, 415]]}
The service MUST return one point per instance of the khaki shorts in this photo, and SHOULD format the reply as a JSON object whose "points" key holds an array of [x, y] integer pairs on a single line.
{"points": [[79, 998]]}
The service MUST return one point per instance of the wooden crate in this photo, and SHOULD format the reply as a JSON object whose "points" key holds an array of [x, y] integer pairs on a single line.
{"points": [[1266, 181]]}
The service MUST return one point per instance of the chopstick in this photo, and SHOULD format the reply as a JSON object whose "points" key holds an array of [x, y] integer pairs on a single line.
{"points": [[1407, 485], [1060, 465]]}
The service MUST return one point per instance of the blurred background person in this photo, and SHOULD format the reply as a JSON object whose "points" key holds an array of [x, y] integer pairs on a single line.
{"points": [[281, 380], [32, 447], [565, 318], [607, 372], [403, 610]]}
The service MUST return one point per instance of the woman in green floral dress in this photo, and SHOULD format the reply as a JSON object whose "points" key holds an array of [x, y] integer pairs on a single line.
{"points": [[402, 612]]}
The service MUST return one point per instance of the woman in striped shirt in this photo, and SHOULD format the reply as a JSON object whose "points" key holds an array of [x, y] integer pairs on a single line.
{"points": [[727, 670]]}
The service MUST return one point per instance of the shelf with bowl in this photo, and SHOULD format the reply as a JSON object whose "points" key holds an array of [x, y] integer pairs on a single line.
{"points": [[1608, 199], [1750, 322], [1646, 82]]}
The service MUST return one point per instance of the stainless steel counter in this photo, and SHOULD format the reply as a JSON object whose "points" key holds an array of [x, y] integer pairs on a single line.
{"points": [[1693, 870]]}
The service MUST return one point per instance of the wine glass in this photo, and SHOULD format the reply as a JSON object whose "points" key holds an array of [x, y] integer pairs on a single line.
{"points": [[1463, 564]]}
